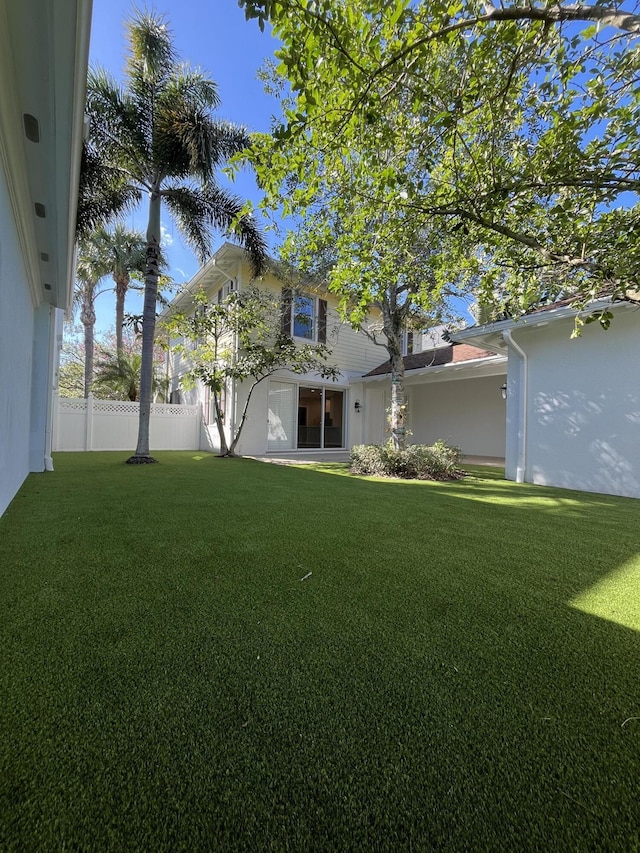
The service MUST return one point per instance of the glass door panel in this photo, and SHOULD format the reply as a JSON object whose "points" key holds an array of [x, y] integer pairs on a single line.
{"points": [[309, 417], [333, 418], [281, 416]]}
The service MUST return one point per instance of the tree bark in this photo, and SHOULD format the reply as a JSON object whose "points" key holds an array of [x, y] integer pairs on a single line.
{"points": [[398, 413], [224, 450], [88, 320], [393, 317], [142, 453], [122, 285]]}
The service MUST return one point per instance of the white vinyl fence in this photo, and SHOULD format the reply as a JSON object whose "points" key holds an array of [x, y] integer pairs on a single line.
{"points": [[113, 425]]}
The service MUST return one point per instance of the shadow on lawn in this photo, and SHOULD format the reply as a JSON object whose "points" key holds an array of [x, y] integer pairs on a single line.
{"points": [[429, 686]]}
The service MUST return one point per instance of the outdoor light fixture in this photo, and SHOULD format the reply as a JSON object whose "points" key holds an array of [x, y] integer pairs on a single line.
{"points": [[358, 406], [31, 127], [503, 390]]}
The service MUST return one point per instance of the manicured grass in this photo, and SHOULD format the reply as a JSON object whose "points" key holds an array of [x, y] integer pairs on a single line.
{"points": [[460, 669]]}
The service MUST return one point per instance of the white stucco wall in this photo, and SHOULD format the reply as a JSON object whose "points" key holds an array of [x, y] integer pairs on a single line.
{"points": [[469, 413], [16, 336], [583, 429]]}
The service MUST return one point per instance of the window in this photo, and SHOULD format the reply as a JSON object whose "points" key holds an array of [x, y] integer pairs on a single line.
{"points": [[304, 316], [226, 289]]}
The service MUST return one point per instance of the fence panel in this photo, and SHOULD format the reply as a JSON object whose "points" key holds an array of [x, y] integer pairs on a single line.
{"points": [[113, 425]]}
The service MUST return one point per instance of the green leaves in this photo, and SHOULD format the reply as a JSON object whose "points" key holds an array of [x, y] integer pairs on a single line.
{"points": [[410, 116]]}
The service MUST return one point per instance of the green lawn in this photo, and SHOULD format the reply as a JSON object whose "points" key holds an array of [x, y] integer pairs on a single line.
{"points": [[460, 669]]}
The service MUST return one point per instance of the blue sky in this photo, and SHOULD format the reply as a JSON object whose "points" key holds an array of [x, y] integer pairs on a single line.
{"points": [[214, 35]]}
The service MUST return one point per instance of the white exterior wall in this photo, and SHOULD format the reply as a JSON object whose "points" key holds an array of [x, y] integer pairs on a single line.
{"points": [[16, 354], [351, 351], [583, 400], [468, 413]]}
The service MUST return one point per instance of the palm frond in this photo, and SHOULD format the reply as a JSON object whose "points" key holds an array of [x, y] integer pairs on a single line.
{"points": [[190, 86], [151, 55], [120, 126], [197, 210], [103, 192]]}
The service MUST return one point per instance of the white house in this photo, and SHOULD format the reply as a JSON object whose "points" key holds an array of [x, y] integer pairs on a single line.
{"points": [[573, 405], [453, 390], [43, 62]]}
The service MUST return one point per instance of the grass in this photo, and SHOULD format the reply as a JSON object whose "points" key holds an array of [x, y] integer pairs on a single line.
{"points": [[458, 670]]}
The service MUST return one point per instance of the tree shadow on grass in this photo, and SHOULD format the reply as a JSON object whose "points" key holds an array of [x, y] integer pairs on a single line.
{"points": [[171, 681]]}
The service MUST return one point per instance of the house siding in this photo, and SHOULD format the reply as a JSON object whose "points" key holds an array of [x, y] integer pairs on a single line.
{"points": [[583, 401], [16, 355], [468, 413]]}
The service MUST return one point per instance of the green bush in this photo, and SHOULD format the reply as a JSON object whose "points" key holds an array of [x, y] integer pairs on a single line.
{"points": [[437, 461]]}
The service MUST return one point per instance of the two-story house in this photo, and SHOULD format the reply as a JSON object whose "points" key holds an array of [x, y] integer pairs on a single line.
{"points": [[453, 390]]}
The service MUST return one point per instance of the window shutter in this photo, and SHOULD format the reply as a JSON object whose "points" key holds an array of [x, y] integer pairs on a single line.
{"points": [[409, 343], [287, 298], [322, 321]]}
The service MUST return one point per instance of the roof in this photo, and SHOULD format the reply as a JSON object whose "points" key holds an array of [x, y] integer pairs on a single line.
{"points": [[452, 354], [491, 335], [222, 266]]}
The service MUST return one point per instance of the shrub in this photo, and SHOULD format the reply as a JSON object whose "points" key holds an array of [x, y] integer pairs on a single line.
{"points": [[437, 461]]}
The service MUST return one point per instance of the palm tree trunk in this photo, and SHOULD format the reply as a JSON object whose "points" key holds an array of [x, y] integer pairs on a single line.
{"points": [[88, 320], [152, 273], [121, 292]]}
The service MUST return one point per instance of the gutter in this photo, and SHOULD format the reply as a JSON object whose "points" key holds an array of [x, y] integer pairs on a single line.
{"points": [[522, 450]]}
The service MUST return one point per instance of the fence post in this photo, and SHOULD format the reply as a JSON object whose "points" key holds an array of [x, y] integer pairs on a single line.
{"points": [[88, 441], [55, 420]]}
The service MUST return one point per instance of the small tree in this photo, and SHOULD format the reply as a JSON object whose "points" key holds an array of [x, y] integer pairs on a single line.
{"points": [[241, 339]]}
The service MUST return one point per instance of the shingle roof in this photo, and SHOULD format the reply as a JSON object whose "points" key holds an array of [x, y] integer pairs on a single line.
{"points": [[452, 354]]}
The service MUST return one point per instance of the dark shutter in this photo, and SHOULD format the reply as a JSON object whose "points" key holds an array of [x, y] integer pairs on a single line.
{"points": [[287, 299], [409, 343], [322, 321]]}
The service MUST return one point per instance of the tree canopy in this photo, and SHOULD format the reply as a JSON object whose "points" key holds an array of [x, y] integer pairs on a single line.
{"points": [[512, 132]]}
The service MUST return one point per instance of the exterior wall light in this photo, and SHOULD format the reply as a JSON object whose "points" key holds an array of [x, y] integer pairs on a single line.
{"points": [[358, 406], [503, 390]]}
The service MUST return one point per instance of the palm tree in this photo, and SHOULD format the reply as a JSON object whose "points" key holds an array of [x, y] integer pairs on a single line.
{"points": [[159, 132], [125, 252], [119, 375], [91, 268]]}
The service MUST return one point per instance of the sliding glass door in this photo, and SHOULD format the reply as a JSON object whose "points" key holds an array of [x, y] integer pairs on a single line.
{"points": [[304, 418], [320, 418]]}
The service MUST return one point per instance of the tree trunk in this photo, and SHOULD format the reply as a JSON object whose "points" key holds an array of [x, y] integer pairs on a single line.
{"points": [[398, 415], [88, 320], [393, 317], [152, 273], [224, 450], [122, 285]]}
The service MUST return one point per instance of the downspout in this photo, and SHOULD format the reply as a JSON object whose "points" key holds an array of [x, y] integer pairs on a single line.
{"points": [[522, 451]]}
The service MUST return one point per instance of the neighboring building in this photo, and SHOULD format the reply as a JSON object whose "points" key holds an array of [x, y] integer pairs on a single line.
{"points": [[43, 63], [293, 415], [573, 405]]}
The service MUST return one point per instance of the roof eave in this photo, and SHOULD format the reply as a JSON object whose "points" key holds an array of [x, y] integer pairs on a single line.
{"points": [[490, 336]]}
